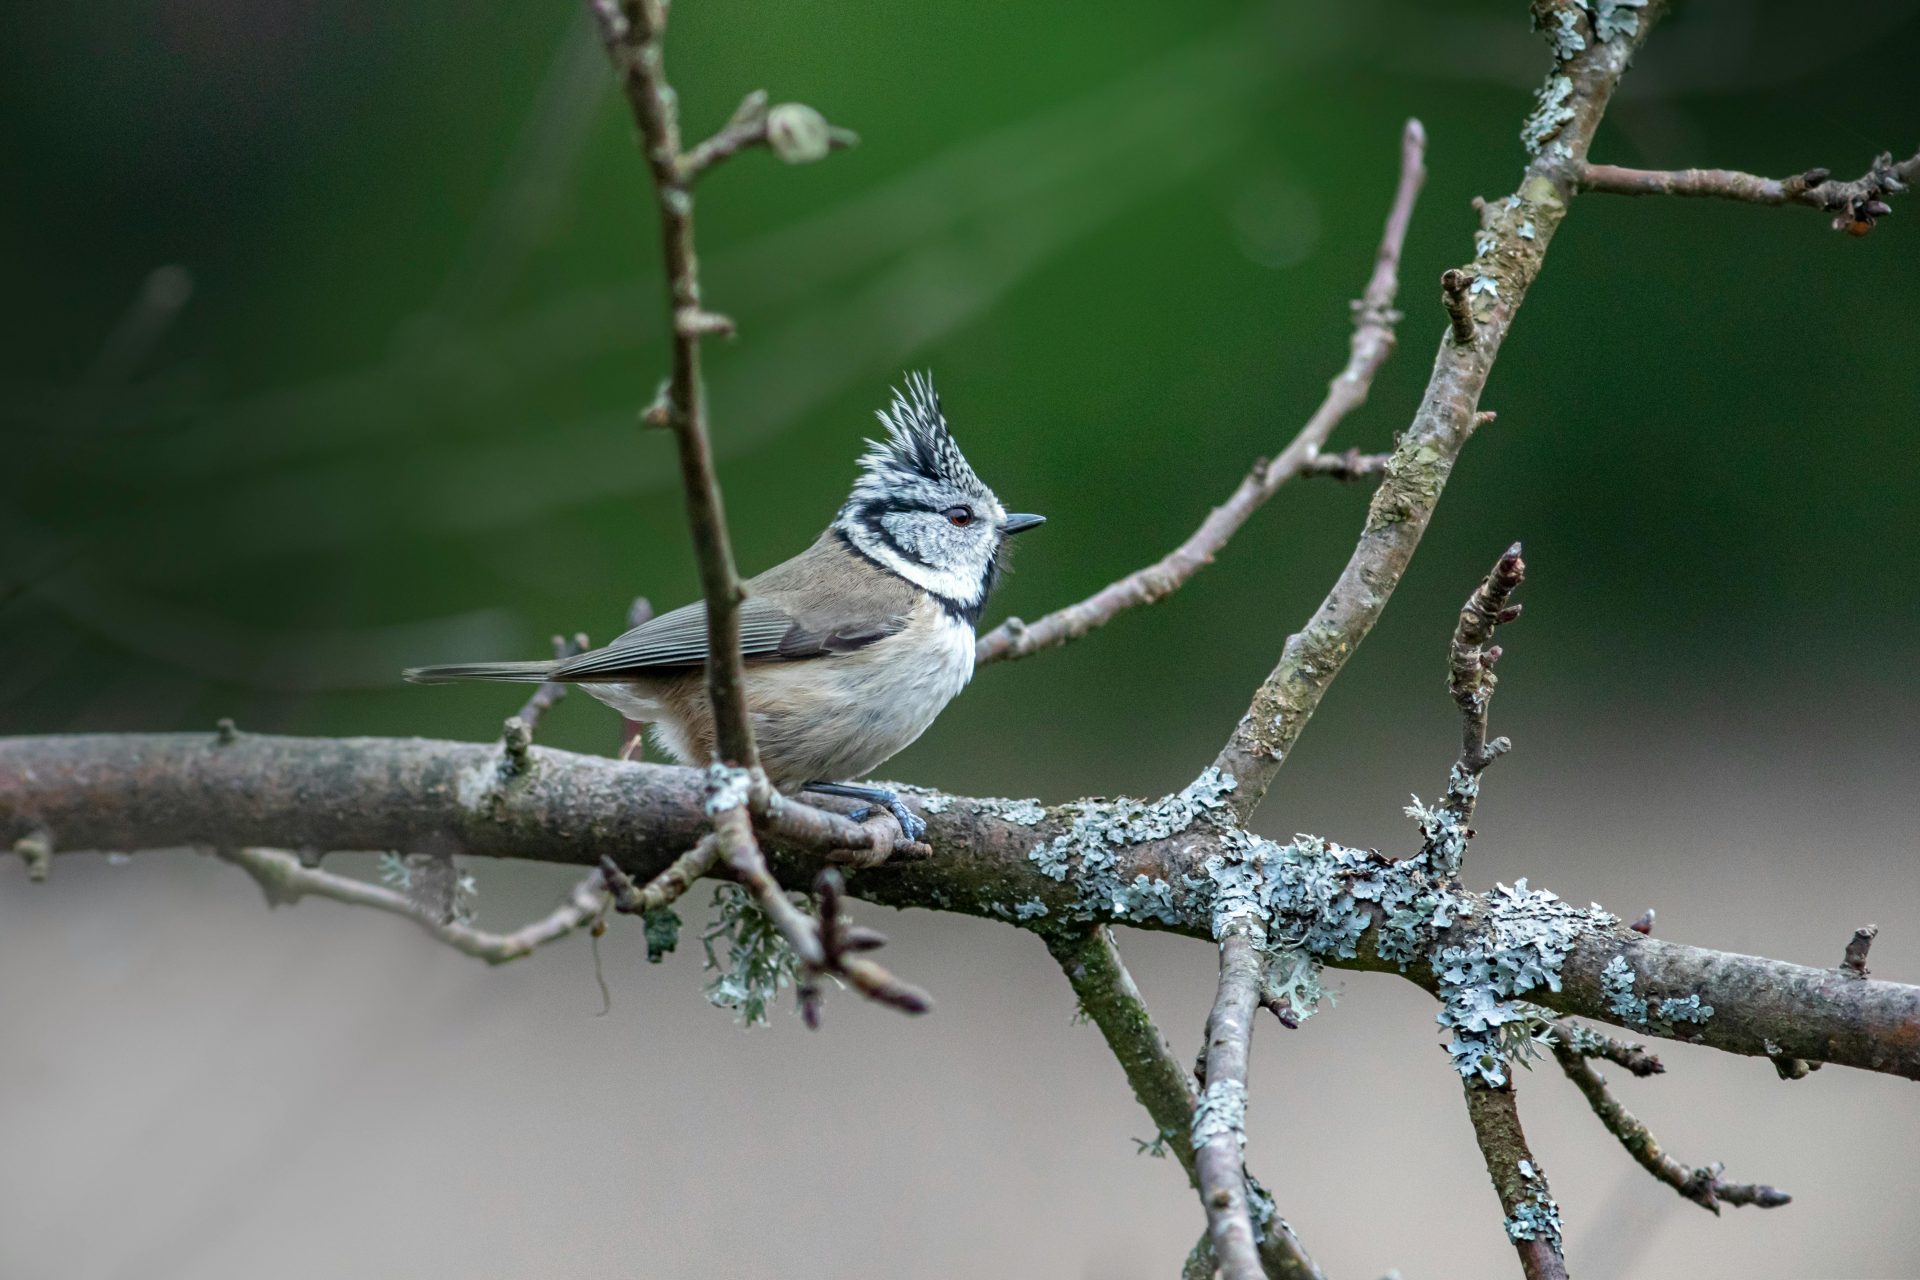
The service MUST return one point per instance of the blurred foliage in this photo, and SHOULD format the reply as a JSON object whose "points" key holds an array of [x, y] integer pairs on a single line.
{"points": [[395, 420]]}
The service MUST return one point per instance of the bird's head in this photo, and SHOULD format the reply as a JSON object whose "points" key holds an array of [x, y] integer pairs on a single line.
{"points": [[918, 509]]}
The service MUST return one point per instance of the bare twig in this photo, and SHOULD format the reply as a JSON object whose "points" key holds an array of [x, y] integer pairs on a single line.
{"points": [[285, 881], [1511, 249], [1109, 998], [743, 856], [793, 132], [666, 888], [1219, 1120], [1586, 1043], [1856, 205], [1855, 961], [1532, 1218], [634, 36], [1702, 1185], [1472, 656], [1350, 467], [1372, 342]]}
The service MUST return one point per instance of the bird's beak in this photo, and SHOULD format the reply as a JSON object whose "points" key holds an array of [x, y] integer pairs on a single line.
{"points": [[1015, 524]]}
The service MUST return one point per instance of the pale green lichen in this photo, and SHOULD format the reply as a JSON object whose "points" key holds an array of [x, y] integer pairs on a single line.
{"points": [[1554, 113], [1087, 851], [1292, 977], [727, 788], [661, 928], [758, 964], [1563, 33], [1029, 909], [1522, 947], [1222, 1110], [1660, 1014], [1536, 1216], [1613, 19]]}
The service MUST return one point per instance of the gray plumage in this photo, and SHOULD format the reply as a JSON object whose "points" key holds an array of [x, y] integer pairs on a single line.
{"points": [[851, 648]]}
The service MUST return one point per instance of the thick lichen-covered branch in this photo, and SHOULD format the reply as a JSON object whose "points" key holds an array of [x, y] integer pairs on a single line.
{"points": [[1532, 1219], [1704, 1185], [1160, 865], [1372, 341], [1510, 249], [1856, 206]]}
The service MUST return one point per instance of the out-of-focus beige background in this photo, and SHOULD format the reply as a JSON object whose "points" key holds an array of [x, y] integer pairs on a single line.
{"points": [[325, 330]]}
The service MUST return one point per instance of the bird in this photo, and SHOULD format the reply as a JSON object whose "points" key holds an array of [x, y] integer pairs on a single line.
{"points": [[851, 649]]}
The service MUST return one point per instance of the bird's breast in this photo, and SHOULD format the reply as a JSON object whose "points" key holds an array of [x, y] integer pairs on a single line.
{"points": [[840, 717]]}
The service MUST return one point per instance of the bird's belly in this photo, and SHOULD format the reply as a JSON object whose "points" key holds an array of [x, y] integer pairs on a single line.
{"points": [[834, 719]]}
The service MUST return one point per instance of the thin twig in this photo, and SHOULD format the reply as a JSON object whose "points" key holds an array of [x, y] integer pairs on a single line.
{"points": [[742, 854], [1350, 467], [284, 880], [1856, 205], [1219, 1120], [1532, 1219], [666, 888], [1702, 1185], [1162, 1085], [1511, 249], [634, 36], [753, 124], [1472, 656], [1372, 342], [1592, 1044]]}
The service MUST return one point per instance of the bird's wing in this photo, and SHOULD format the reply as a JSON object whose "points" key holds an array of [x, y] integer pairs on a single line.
{"points": [[677, 641]]}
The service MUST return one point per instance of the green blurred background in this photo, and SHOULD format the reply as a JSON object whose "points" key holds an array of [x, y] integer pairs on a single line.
{"points": [[327, 329]]}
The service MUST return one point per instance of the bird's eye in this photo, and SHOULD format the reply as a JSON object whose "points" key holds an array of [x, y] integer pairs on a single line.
{"points": [[959, 517]]}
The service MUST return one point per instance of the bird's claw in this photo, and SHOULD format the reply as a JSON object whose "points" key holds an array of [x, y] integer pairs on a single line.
{"points": [[911, 826]]}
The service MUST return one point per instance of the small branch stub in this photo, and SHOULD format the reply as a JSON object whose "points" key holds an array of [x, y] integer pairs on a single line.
{"points": [[1453, 295], [1473, 654], [1855, 961]]}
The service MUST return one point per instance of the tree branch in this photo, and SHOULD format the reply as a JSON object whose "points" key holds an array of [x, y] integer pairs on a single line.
{"points": [[1511, 248], [1161, 1084], [1471, 658], [1372, 342], [1219, 1119], [796, 133], [1532, 1218], [1591, 1044], [285, 881], [1703, 1185], [1856, 205], [634, 34], [158, 791]]}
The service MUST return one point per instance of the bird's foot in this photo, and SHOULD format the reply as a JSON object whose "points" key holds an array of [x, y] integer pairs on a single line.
{"points": [[911, 825]]}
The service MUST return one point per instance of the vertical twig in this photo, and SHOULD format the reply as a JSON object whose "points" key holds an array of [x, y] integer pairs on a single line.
{"points": [[1532, 1218], [634, 35], [1219, 1121]]}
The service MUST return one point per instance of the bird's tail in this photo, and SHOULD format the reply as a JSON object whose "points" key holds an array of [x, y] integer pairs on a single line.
{"points": [[530, 672]]}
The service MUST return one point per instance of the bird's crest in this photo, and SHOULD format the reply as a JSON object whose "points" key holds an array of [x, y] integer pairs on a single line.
{"points": [[918, 446]]}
